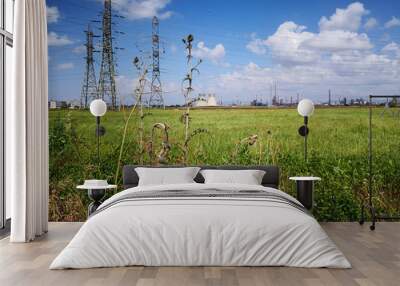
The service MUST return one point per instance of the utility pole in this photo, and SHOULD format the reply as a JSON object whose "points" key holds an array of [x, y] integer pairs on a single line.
{"points": [[107, 89], [89, 86], [156, 97]]}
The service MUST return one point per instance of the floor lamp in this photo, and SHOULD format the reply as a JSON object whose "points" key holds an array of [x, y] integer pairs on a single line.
{"points": [[97, 188], [98, 108], [305, 108]]}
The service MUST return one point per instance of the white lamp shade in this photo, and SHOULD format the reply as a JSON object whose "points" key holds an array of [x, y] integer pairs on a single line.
{"points": [[305, 107], [98, 107]]}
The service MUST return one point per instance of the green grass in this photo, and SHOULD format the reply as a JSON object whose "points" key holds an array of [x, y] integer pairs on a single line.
{"points": [[337, 152]]}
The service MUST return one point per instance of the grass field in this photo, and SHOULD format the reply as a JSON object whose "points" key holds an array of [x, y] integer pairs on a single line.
{"points": [[337, 152]]}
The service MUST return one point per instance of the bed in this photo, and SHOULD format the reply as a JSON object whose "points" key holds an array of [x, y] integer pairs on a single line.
{"points": [[198, 224]]}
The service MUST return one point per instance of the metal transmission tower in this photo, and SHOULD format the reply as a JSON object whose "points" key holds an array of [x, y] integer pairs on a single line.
{"points": [[89, 85], [156, 97], [107, 88]]}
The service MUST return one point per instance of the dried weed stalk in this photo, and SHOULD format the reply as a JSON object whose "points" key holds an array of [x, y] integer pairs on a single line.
{"points": [[139, 91], [139, 94], [187, 89]]}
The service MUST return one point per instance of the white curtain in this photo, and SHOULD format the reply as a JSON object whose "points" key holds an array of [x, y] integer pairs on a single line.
{"points": [[27, 124]]}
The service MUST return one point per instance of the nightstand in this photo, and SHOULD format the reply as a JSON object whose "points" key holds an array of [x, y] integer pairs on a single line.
{"points": [[305, 190], [96, 190]]}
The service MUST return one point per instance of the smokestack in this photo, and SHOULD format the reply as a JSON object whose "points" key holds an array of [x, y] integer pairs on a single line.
{"points": [[329, 100]]}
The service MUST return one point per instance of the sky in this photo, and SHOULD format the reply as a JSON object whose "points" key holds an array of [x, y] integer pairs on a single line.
{"points": [[247, 47]]}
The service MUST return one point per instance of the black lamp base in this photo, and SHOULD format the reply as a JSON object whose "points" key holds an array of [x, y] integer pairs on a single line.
{"points": [[96, 195], [305, 190]]}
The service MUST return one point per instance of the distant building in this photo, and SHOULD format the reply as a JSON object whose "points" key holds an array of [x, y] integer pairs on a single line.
{"points": [[201, 102], [275, 101], [211, 100], [52, 104], [74, 104], [204, 100]]}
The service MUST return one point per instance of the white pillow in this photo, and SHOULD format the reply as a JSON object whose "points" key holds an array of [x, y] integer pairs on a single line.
{"points": [[248, 177], [166, 176]]}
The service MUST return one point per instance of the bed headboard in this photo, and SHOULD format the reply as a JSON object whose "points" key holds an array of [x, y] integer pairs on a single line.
{"points": [[271, 177]]}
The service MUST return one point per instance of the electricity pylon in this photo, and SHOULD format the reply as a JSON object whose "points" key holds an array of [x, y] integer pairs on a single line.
{"points": [[156, 96], [107, 90], [89, 85]]}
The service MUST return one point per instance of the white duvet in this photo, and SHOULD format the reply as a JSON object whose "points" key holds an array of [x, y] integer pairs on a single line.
{"points": [[200, 231]]}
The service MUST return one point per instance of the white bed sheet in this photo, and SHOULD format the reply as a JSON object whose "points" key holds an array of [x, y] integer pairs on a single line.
{"points": [[200, 232]]}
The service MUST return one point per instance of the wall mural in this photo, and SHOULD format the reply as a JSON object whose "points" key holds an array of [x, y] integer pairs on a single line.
{"points": [[188, 90]]}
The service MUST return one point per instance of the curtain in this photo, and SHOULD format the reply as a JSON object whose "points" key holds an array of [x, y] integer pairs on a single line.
{"points": [[27, 124]]}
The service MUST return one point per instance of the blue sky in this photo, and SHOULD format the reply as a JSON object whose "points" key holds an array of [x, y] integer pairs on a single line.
{"points": [[304, 47]]}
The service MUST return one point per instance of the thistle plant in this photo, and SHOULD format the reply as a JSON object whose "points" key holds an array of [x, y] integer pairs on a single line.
{"points": [[187, 89], [162, 155], [250, 141], [241, 153]]}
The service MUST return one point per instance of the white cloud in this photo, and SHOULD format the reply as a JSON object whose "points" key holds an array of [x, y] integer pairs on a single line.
{"points": [[291, 44], [337, 57], [256, 45], [363, 68], [394, 22], [79, 49], [65, 66], [53, 14], [285, 44], [339, 41], [348, 19], [215, 54], [370, 23], [53, 39], [392, 49], [349, 74], [125, 87], [385, 37], [142, 9]]}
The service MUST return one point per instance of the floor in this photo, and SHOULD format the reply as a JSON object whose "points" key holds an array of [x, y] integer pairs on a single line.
{"points": [[375, 257]]}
